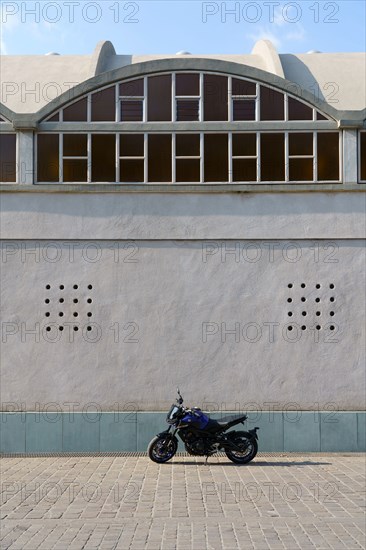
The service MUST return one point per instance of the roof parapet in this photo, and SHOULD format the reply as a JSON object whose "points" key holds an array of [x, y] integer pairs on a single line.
{"points": [[266, 50], [104, 50]]}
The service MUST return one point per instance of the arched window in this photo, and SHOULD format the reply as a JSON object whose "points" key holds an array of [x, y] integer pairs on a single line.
{"points": [[188, 127], [362, 157], [7, 156], [187, 97]]}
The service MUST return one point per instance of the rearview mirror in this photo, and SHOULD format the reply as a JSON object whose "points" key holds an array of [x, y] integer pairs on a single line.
{"points": [[180, 400]]}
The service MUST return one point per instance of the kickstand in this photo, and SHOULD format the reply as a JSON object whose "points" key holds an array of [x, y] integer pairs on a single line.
{"points": [[206, 461]]}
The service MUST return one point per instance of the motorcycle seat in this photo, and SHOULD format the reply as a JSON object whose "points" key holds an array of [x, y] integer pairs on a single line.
{"points": [[225, 422], [232, 419]]}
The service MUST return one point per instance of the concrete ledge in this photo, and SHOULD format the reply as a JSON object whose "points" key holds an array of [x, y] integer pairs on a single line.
{"points": [[182, 188], [298, 431]]}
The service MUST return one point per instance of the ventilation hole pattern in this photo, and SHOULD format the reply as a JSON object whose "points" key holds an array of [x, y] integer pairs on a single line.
{"points": [[311, 288], [68, 313]]}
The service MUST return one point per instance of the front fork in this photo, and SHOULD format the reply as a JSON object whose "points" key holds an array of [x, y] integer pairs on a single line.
{"points": [[166, 435]]}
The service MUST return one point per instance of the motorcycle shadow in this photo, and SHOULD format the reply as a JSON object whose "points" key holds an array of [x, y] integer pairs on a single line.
{"points": [[261, 463]]}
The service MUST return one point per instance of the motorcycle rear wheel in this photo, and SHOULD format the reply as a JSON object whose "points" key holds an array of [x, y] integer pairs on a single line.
{"points": [[162, 449], [249, 450]]}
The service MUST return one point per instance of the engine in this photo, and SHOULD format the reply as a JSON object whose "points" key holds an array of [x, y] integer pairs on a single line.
{"points": [[195, 445]]}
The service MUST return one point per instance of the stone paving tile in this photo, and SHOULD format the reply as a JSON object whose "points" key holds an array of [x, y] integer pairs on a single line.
{"points": [[129, 503]]}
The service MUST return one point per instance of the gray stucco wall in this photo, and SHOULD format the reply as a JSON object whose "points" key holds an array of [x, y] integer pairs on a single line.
{"points": [[271, 215], [172, 276], [190, 286]]}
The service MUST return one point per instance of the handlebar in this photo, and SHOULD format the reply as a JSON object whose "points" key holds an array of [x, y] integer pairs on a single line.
{"points": [[180, 400]]}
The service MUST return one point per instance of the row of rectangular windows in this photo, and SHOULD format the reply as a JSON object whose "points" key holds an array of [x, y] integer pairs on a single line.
{"points": [[186, 97], [193, 158]]}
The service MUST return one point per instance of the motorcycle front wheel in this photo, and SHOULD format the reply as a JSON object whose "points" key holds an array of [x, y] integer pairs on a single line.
{"points": [[248, 450], [162, 449]]}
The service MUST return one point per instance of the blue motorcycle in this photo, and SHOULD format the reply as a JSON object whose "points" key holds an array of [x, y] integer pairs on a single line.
{"points": [[203, 436]]}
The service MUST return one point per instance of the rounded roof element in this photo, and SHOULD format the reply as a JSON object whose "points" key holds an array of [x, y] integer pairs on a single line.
{"points": [[266, 50], [104, 50], [337, 79]]}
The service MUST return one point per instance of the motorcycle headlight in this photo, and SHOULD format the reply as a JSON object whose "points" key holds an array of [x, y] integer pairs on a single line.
{"points": [[172, 414]]}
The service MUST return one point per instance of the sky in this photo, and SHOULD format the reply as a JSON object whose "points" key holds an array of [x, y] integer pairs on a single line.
{"points": [[199, 27]]}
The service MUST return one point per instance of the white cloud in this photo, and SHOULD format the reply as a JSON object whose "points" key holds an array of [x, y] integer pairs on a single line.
{"points": [[283, 29], [298, 34], [263, 33], [278, 19]]}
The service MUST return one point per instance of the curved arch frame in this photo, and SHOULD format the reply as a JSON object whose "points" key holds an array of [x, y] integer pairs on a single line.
{"points": [[170, 65], [7, 114]]}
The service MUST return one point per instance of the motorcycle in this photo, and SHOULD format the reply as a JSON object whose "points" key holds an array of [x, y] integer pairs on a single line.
{"points": [[203, 436]]}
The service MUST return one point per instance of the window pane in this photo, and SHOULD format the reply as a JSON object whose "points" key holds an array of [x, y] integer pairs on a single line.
{"points": [[216, 157], [363, 155], [187, 170], [48, 157], [187, 84], [134, 88], [272, 157], [187, 145], [301, 170], [131, 110], [298, 110], [54, 118], [244, 170], [75, 170], [243, 109], [272, 104], [319, 116], [131, 145], [187, 109], [75, 145], [131, 170], [300, 144], [104, 157], [7, 157], [243, 87], [160, 157], [244, 145], [328, 156], [103, 105], [160, 98], [77, 112], [215, 97]]}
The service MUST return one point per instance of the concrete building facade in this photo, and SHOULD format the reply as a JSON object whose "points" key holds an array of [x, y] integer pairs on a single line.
{"points": [[182, 220]]}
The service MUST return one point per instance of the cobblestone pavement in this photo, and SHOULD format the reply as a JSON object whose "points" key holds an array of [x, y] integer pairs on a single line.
{"points": [[130, 503]]}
